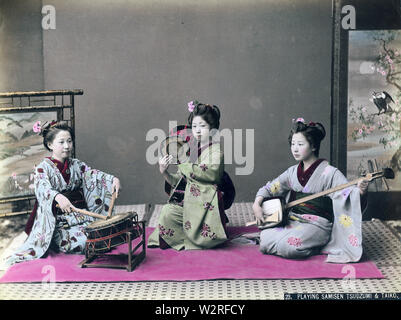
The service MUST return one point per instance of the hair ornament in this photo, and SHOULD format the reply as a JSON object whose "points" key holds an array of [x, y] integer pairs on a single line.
{"points": [[40, 128], [299, 120], [192, 105], [37, 128]]}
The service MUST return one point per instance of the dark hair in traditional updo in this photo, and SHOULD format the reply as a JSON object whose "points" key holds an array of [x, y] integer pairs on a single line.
{"points": [[313, 132], [50, 130], [209, 113]]}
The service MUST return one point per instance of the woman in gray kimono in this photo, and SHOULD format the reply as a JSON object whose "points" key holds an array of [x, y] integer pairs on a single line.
{"points": [[330, 224], [61, 185]]}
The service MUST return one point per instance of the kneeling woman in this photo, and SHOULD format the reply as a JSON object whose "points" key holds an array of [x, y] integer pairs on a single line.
{"points": [[194, 216], [58, 181], [330, 224]]}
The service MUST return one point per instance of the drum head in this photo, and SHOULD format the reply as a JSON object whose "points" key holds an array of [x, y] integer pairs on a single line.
{"points": [[272, 210], [104, 235], [175, 146], [113, 220], [272, 213]]}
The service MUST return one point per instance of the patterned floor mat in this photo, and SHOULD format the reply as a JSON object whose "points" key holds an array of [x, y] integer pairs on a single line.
{"points": [[381, 244]]}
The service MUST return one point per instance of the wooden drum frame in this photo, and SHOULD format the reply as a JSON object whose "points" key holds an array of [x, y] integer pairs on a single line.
{"points": [[118, 230]]}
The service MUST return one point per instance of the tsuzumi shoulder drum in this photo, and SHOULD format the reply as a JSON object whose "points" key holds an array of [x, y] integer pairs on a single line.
{"points": [[103, 235], [175, 146]]}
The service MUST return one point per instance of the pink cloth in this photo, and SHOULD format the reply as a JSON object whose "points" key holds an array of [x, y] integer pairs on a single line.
{"points": [[230, 261]]}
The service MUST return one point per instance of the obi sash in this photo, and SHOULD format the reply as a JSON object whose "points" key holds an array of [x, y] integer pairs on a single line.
{"points": [[178, 195], [322, 206]]}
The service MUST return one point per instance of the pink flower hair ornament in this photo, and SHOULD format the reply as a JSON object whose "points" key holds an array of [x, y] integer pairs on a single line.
{"points": [[39, 128], [310, 124], [298, 120], [192, 105]]}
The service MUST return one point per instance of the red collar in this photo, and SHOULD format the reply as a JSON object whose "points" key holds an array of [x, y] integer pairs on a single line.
{"points": [[64, 168], [304, 176]]}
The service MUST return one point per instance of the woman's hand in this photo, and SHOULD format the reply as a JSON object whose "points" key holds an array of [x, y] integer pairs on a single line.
{"points": [[63, 203], [258, 212], [164, 163], [363, 186], [116, 186]]}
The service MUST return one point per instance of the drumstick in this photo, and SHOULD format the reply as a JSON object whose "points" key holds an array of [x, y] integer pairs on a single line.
{"points": [[88, 213], [113, 199], [85, 212]]}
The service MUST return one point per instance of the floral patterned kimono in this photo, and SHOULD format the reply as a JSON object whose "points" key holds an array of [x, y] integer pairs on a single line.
{"points": [[62, 232], [194, 217], [331, 224]]}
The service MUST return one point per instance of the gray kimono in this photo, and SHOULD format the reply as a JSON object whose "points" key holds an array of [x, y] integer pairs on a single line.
{"points": [[65, 231], [307, 234]]}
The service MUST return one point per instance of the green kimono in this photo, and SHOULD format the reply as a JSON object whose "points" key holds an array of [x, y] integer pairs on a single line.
{"points": [[196, 221]]}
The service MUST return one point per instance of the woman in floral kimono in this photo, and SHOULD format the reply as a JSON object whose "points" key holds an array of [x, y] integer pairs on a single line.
{"points": [[194, 216], [60, 180], [329, 224]]}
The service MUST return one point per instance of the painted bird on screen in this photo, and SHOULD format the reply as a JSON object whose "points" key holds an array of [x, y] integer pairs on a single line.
{"points": [[382, 101]]}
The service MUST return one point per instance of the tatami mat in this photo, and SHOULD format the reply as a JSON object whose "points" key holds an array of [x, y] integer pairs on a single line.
{"points": [[199, 290], [239, 214], [143, 210], [380, 244]]}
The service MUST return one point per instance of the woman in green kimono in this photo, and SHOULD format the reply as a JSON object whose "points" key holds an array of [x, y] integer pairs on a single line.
{"points": [[194, 216]]}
